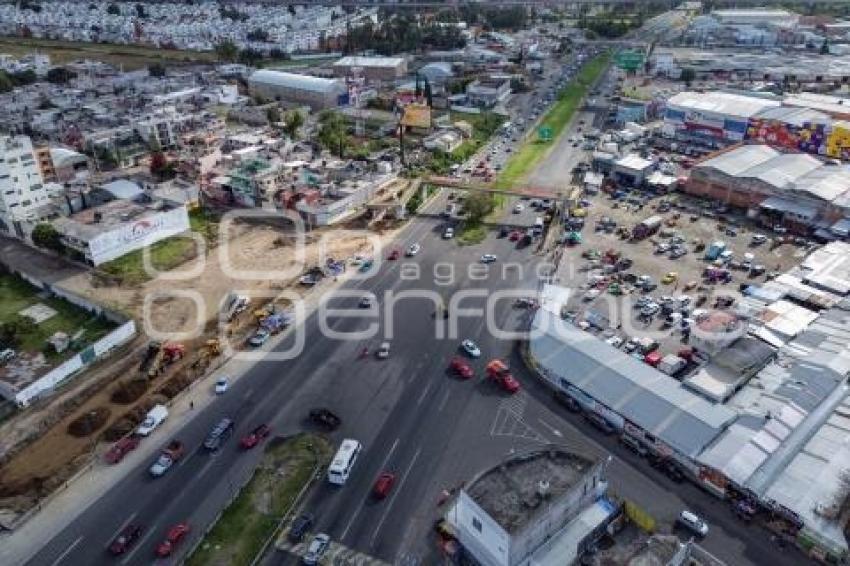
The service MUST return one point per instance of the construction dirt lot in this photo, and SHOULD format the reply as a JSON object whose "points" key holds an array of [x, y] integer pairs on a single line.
{"points": [[690, 219], [37, 451]]}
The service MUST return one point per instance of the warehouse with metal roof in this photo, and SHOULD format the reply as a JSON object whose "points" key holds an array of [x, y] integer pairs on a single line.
{"points": [[371, 68], [315, 92], [611, 381]]}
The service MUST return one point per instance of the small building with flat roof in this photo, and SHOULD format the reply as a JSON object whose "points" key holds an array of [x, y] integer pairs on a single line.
{"points": [[371, 68], [541, 507]]}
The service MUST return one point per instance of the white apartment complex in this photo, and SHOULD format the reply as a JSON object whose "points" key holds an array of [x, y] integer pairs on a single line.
{"points": [[21, 184]]}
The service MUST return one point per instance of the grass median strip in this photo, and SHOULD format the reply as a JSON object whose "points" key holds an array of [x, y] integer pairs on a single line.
{"points": [[252, 517], [557, 118]]}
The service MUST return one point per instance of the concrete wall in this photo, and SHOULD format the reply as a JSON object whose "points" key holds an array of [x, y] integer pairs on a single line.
{"points": [[488, 542]]}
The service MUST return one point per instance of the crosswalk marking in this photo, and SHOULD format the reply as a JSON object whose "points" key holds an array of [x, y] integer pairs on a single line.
{"points": [[337, 554]]}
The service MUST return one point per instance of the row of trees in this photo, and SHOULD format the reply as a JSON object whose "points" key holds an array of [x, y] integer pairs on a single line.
{"points": [[401, 33]]}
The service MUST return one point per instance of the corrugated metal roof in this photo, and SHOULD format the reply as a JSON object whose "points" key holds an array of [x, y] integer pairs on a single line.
{"points": [[356, 61], [796, 116], [725, 103], [739, 160], [645, 396], [295, 81]]}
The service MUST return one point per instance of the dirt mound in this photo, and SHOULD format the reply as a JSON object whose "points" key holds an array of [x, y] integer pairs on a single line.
{"points": [[175, 385], [128, 392], [119, 429], [89, 422]]}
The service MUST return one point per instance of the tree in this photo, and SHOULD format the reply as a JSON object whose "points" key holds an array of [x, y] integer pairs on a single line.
{"points": [[294, 120], [333, 133], [6, 83], [478, 206], [156, 70], [45, 236], [273, 114], [160, 167], [688, 75], [113, 10], [824, 48], [60, 75], [257, 34], [227, 51], [13, 329], [429, 97], [291, 9]]}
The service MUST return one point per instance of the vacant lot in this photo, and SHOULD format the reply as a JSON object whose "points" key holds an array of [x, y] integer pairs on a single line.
{"points": [[569, 100], [165, 255], [252, 518], [17, 295], [130, 57]]}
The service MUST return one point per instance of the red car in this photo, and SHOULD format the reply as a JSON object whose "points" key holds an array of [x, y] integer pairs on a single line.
{"points": [[462, 368], [395, 254], [125, 539], [120, 449], [175, 535], [515, 235], [257, 435], [383, 485]]}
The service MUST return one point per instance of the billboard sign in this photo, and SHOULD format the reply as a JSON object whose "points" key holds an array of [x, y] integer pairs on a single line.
{"points": [[138, 233]]}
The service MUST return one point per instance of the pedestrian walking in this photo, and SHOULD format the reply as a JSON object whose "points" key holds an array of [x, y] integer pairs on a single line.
{"points": [[191, 404]]}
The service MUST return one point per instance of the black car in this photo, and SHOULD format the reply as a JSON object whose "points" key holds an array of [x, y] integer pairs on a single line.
{"points": [[504, 231], [300, 527], [125, 539], [325, 418]]}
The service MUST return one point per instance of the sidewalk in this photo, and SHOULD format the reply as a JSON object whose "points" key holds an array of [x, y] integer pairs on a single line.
{"points": [[60, 510]]}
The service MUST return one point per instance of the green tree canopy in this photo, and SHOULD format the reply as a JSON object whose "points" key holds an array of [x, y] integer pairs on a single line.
{"points": [[45, 236]]}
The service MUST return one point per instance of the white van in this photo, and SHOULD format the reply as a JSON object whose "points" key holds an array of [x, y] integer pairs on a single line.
{"points": [[153, 419], [343, 461]]}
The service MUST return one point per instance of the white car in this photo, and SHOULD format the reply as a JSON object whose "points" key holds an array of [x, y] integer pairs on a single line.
{"points": [[693, 523], [615, 341], [471, 348], [488, 258], [413, 249], [448, 233], [518, 207], [317, 549], [221, 385], [383, 351]]}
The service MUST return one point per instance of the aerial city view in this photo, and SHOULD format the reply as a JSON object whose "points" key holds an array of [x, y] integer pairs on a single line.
{"points": [[424, 283]]}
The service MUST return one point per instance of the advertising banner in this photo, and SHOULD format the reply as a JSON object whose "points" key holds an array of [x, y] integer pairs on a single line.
{"points": [[138, 233]]}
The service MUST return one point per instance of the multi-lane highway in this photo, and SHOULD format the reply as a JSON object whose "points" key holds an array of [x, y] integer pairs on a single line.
{"points": [[432, 430]]}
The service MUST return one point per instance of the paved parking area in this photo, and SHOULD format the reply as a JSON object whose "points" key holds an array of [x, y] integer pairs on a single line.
{"points": [[690, 221]]}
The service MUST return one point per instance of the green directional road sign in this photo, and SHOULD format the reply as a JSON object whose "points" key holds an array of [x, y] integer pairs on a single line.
{"points": [[544, 133], [629, 60]]}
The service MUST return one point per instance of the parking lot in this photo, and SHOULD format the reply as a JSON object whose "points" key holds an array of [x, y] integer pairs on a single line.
{"points": [[652, 292]]}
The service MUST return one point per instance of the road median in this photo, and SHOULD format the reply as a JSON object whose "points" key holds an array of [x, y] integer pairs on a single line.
{"points": [[264, 502], [556, 119]]}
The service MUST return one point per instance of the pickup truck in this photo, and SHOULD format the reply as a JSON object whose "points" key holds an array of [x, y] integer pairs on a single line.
{"points": [[169, 456]]}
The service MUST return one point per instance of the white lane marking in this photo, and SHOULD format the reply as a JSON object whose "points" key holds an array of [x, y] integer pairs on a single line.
{"points": [[363, 501], [68, 551], [424, 393], [123, 525], [249, 393], [444, 401], [205, 467], [552, 429], [394, 495]]}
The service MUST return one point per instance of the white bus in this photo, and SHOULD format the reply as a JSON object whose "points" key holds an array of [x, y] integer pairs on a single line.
{"points": [[343, 461]]}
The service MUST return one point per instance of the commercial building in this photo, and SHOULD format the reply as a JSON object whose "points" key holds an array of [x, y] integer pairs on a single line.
{"points": [[22, 188], [119, 227], [487, 93], [756, 17], [315, 92], [543, 508], [371, 68], [796, 190], [712, 118]]}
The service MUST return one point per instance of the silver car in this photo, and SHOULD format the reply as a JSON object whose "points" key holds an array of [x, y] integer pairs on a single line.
{"points": [[317, 549]]}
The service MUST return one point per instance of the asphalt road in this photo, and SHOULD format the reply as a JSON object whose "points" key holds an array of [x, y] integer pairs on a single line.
{"points": [[432, 430]]}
